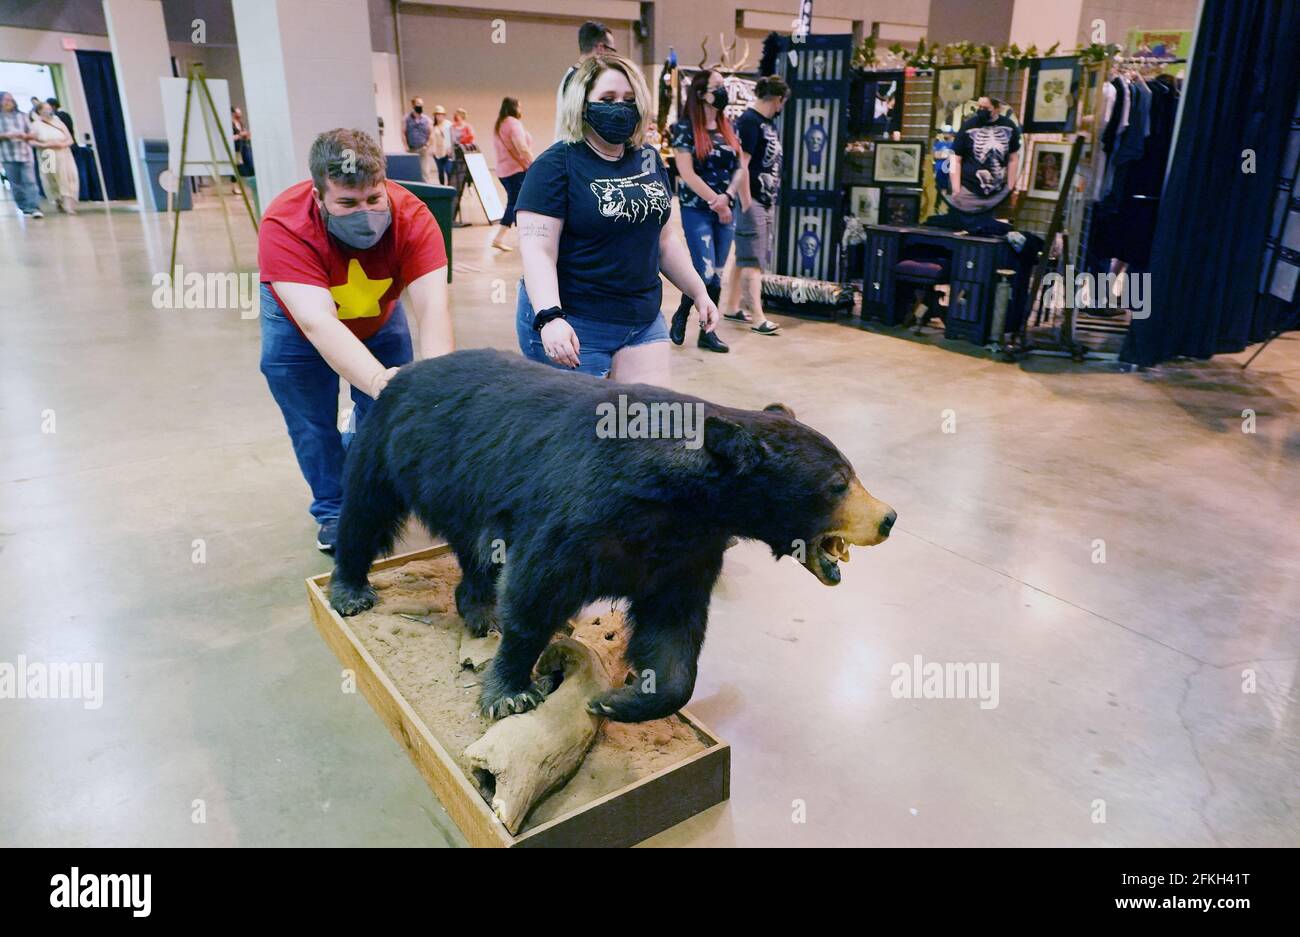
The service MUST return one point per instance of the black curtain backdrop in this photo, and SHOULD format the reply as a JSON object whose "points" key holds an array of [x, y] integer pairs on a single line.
{"points": [[100, 84], [1214, 218]]}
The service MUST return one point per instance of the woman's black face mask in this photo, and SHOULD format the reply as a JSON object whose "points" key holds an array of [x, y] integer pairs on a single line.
{"points": [[613, 121]]}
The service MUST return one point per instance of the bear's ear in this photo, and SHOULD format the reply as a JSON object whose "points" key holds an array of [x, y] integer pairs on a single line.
{"points": [[731, 444], [780, 408]]}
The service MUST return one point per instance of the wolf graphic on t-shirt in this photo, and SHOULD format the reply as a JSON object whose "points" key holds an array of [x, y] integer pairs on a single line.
{"points": [[631, 200]]}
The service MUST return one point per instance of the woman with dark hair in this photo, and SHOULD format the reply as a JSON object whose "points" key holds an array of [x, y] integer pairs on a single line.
{"points": [[514, 152], [707, 155]]}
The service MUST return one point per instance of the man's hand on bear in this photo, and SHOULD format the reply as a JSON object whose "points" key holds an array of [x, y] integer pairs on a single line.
{"points": [[380, 381]]}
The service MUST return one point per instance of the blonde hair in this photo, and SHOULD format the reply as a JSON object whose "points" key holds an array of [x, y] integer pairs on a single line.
{"points": [[579, 86]]}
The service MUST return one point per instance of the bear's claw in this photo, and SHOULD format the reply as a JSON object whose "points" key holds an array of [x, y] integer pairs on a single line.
{"points": [[480, 619], [511, 704], [348, 601]]}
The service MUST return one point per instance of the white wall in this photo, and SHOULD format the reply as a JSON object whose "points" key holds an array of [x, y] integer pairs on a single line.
{"points": [[388, 99], [219, 61], [1045, 22], [300, 80], [141, 58]]}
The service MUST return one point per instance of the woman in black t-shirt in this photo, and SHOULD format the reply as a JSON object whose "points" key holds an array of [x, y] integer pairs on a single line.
{"points": [[593, 237]]}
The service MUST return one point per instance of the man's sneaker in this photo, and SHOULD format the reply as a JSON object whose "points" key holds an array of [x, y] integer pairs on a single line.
{"points": [[36, 214], [328, 535]]}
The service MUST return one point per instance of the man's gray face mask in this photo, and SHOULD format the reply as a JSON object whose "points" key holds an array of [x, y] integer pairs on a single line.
{"points": [[361, 229]]}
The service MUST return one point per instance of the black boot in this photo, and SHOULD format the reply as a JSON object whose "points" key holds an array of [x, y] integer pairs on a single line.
{"points": [[709, 341], [677, 332]]}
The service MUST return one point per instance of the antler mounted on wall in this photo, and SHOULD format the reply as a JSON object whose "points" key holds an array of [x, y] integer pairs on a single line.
{"points": [[727, 63]]}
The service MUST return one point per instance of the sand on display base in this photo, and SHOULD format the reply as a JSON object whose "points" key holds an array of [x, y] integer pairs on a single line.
{"points": [[423, 660]]}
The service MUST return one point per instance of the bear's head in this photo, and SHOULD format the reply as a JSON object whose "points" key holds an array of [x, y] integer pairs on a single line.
{"points": [[793, 489]]}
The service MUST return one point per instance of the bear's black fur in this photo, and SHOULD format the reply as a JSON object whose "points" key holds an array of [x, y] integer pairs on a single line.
{"points": [[490, 450]]}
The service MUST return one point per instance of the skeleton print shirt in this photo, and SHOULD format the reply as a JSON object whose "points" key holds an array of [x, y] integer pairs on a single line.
{"points": [[613, 211], [985, 150], [758, 138]]}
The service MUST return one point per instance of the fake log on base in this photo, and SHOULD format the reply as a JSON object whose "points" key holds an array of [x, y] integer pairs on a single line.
{"points": [[523, 758]]}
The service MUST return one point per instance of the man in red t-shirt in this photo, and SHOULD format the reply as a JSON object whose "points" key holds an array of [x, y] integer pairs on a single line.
{"points": [[335, 253]]}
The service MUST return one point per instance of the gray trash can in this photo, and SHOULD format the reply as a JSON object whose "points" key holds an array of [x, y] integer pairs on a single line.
{"points": [[154, 155]]}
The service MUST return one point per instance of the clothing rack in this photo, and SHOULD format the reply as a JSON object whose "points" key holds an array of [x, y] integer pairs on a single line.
{"points": [[1106, 329]]}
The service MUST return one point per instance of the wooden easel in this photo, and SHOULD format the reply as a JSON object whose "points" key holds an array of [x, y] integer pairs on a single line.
{"points": [[1034, 302], [196, 77]]}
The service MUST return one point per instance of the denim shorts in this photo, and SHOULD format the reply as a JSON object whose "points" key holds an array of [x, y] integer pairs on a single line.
{"points": [[597, 340]]}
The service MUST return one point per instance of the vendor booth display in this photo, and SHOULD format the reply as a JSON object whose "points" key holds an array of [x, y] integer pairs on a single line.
{"points": [[814, 124]]}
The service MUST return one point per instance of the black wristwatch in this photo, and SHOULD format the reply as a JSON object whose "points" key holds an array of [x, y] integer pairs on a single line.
{"points": [[545, 316], [731, 200]]}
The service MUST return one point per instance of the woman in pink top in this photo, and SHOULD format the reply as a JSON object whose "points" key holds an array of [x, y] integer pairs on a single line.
{"points": [[514, 152]]}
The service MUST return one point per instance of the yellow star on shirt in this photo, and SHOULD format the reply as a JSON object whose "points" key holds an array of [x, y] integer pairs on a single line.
{"points": [[359, 297]]}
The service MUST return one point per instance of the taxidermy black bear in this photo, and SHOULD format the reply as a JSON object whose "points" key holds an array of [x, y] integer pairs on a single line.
{"points": [[591, 489]]}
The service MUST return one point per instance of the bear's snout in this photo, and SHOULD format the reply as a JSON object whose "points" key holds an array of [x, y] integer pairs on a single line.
{"points": [[887, 524], [859, 519]]}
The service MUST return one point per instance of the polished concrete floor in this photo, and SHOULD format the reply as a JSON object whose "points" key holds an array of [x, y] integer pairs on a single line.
{"points": [[1122, 685]]}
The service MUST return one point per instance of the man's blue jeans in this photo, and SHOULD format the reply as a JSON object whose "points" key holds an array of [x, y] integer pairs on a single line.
{"points": [[307, 390], [22, 179]]}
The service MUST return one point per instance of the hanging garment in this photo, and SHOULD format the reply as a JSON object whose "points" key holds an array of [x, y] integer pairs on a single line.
{"points": [[1108, 97]]}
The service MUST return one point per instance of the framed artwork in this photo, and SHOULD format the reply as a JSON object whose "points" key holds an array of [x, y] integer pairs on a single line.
{"points": [[900, 207], [879, 104], [864, 203], [1047, 165], [1053, 96], [955, 86], [897, 163]]}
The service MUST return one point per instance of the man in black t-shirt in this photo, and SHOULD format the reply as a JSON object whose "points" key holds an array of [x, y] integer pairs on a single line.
{"points": [[985, 159], [761, 144]]}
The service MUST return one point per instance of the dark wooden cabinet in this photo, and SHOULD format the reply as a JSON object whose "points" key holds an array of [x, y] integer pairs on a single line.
{"points": [[973, 265]]}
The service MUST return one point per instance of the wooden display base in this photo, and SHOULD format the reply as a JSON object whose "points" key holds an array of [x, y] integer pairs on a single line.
{"points": [[622, 818]]}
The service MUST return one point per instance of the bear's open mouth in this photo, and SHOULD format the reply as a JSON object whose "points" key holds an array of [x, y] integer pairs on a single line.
{"points": [[830, 551]]}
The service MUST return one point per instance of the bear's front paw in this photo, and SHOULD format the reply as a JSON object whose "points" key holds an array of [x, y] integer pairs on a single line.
{"points": [[497, 704], [630, 704], [349, 600], [480, 619]]}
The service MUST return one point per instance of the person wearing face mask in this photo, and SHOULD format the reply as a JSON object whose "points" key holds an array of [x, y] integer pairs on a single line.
{"points": [[985, 160], [593, 39], [335, 253], [707, 154], [755, 228], [593, 236], [417, 132]]}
